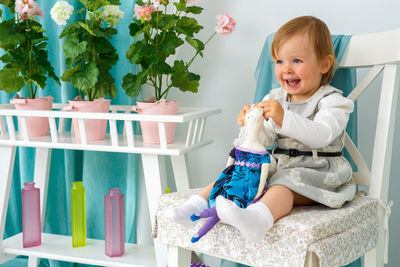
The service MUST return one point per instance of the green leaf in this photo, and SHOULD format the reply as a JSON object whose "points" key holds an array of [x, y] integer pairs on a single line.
{"points": [[85, 3], [38, 79], [140, 52], [8, 37], [103, 46], [10, 80], [8, 58], [73, 48], [105, 85], [132, 85], [106, 61], [188, 26], [183, 79], [114, 2], [79, 11], [38, 28], [195, 43], [163, 68], [38, 40], [170, 43], [86, 27], [72, 28], [85, 80], [167, 21], [181, 6], [67, 75], [194, 9], [134, 28], [7, 3]]}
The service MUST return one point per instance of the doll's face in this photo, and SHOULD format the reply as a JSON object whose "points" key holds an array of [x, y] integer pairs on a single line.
{"points": [[253, 117], [253, 113]]}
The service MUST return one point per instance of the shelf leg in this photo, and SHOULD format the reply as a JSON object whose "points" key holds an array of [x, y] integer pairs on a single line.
{"points": [[154, 176], [180, 172], [178, 257], [7, 155], [42, 169]]}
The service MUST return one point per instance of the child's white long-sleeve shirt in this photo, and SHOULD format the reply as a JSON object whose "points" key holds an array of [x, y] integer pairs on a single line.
{"points": [[328, 123]]}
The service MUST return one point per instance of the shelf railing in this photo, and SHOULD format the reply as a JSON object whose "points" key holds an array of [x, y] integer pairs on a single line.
{"points": [[192, 120]]}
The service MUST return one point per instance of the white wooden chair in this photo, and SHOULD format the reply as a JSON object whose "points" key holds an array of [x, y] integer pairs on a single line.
{"points": [[317, 235]]}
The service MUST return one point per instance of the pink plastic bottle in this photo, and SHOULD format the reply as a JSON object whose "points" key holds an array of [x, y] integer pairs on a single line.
{"points": [[114, 223], [31, 221]]}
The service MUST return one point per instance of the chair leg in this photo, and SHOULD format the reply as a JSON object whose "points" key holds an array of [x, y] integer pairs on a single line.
{"points": [[178, 257], [311, 260], [375, 256]]}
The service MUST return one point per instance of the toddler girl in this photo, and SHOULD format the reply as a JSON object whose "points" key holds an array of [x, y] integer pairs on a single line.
{"points": [[306, 118]]}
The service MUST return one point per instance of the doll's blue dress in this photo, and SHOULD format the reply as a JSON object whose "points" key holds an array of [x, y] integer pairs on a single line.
{"points": [[239, 182]]}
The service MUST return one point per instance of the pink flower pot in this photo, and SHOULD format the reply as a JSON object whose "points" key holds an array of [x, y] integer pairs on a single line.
{"points": [[37, 126], [150, 129], [95, 129]]}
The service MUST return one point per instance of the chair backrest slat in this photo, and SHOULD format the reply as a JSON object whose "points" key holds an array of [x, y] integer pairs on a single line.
{"points": [[363, 176], [362, 52], [383, 144], [365, 82]]}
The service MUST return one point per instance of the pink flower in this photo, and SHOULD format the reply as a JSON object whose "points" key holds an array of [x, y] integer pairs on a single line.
{"points": [[27, 9], [144, 12], [225, 24]]}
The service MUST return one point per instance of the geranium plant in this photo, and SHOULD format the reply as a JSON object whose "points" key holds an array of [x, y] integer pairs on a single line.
{"points": [[24, 43], [158, 28], [87, 48]]}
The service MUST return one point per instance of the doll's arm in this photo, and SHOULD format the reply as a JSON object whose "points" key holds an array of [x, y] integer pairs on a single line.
{"points": [[263, 179]]}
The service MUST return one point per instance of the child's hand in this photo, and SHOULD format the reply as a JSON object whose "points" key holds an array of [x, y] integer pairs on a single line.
{"points": [[242, 115], [272, 109]]}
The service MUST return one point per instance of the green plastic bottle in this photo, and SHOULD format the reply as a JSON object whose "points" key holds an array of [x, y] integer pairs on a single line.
{"points": [[78, 215]]}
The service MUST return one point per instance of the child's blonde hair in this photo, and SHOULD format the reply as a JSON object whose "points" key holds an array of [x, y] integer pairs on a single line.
{"points": [[319, 35]]}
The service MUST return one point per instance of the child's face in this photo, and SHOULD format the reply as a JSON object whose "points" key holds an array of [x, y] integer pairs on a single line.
{"points": [[298, 69]]}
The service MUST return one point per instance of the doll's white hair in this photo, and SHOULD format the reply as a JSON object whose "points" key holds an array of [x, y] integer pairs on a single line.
{"points": [[248, 123]]}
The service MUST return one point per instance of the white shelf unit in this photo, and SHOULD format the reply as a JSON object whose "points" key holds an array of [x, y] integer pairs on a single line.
{"points": [[191, 120]]}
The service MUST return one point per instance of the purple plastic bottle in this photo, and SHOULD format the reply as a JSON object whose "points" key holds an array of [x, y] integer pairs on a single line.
{"points": [[114, 223], [31, 221]]}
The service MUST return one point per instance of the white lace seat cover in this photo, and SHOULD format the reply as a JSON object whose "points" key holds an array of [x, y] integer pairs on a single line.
{"points": [[327, 232]]}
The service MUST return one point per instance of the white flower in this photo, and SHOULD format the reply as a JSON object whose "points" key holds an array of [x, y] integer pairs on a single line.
{"points": [[61, 12], [112, 13]]}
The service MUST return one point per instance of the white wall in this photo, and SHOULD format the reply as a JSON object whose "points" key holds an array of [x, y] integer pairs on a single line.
{"points": [[227, 69]]}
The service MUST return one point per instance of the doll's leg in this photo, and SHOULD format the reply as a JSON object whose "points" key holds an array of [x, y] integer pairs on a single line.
{"points": [[255, 220], [210, 212], [194, 204], [212, 220]]}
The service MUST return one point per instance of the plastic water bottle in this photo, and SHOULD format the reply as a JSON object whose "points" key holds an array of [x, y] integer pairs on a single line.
{"points": [[114, 223], [78, 215], [31, 221]]}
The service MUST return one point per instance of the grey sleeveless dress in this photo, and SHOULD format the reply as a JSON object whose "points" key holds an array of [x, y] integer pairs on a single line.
{"points": [[327, 180]]}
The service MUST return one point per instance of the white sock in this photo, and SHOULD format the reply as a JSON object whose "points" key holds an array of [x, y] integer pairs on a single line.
{"points": [[181, 214], [253, 222]]}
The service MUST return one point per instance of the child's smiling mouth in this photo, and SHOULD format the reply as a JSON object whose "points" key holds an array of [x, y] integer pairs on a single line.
{"points": [[292, 82]]}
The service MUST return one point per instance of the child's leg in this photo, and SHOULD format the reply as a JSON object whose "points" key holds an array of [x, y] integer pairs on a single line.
{"points": [[194, 204], [205, 192], [254, 221]]}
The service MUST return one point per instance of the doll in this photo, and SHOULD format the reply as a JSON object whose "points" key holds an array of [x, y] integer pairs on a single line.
{"points": [[245, 178]]}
